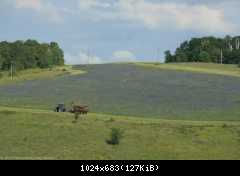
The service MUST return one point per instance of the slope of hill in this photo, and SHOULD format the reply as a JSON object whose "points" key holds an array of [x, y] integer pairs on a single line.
{"points": [[130, 90], [41, 134], [37, 73], [163, 113], [208, 68]]}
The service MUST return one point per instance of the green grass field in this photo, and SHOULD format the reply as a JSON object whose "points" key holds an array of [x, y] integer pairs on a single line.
{"points": [[208, 68], [35, 74], [34, 134], [155, 125]]}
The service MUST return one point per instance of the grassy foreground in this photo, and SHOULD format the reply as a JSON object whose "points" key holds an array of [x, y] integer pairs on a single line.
{"points": [[208, 68], [39, 134]]}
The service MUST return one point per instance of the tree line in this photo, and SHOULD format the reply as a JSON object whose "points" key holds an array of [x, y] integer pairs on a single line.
{"points": [[207, 49], [30, 54]]}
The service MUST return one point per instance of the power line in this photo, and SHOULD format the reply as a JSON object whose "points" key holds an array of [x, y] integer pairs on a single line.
{"points": [[88, 56], [158, 54]]}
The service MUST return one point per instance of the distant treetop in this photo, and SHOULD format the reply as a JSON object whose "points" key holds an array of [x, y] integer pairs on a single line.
{"points": [[30, 54], [207, 49]]}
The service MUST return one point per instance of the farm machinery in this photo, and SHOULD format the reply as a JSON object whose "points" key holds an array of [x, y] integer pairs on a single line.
{"points": [[79, 109], [60, 108]]}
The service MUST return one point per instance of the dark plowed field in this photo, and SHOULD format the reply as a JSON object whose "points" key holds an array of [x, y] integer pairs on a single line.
{"points": [[130, 90]]}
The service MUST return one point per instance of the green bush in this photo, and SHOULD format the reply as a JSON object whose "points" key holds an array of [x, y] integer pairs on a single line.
{"points": [[224, 126], [115, 136]]}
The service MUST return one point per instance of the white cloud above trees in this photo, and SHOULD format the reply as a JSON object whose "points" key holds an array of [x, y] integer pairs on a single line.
{"points": [[123, 56], [84, 57]]}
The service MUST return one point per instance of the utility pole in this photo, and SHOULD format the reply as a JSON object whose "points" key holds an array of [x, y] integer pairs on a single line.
{"points": [[230, 46], [11, 70], [221, 56], [237, 44]]}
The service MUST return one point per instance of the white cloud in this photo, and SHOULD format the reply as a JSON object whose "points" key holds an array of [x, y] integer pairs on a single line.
{"points": [[46, 9], [87, 4], [82, 58], [123, 56], [85, 58], [31, 4], [179, 15], [155, 15]]}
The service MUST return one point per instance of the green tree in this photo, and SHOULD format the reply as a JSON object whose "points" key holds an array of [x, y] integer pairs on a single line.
{"points": [[168, 57], [115, 136], [181, 56], [204, 57], [30, 54], [31, 43], [57, 54], [207, 49], [1, 62]]}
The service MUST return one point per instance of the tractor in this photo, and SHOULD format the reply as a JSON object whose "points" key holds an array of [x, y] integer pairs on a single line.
{"points": [[60, 108]]}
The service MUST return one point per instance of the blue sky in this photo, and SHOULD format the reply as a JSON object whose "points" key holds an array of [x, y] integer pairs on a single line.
{"points": [[99, 31]]}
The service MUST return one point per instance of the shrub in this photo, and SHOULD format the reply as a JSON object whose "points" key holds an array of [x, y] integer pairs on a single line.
{"points": [[224, 126], [115, 136]]}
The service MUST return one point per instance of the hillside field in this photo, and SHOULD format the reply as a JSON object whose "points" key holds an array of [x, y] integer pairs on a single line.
{"points": [[131, 90], [207, 68], [164, 113]]}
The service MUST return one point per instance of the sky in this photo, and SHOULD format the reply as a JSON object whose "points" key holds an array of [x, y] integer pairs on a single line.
{"points": [[100, 31]]}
